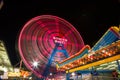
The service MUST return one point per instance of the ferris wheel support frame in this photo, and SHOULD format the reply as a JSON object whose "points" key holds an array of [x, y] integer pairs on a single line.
{"points": [[50, 60]]}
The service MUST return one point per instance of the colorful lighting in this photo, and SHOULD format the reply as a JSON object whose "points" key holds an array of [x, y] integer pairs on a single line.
{"points": [[106, 54]]}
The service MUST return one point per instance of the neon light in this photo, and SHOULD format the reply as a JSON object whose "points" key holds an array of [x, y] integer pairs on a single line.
{"points": [[117, 57]]}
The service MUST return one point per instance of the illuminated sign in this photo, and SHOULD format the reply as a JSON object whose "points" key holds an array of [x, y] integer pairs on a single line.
{"points": [[60, 40]]}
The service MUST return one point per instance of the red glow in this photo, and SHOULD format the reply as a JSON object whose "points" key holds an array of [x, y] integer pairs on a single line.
{"points": [[36, 40]]}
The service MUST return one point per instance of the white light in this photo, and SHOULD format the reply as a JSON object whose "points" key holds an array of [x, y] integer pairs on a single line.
{"points": [[35, 64], [103, 51], [5, 69], [30, 77], [50, 73], [16, 69], [73, 74]]}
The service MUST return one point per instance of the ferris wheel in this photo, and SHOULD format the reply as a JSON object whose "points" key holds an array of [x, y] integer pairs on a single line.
{"points": [[45, 39]]}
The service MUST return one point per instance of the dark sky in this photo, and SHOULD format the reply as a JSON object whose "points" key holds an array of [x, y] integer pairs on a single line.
{"points": [[91, 18]]}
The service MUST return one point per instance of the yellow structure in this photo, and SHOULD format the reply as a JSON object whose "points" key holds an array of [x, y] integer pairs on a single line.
{"points": [[5, 64]]}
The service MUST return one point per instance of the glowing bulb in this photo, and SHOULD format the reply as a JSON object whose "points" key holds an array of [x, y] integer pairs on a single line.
{"points": [[73, 74], [50, 73], [35, 64]]}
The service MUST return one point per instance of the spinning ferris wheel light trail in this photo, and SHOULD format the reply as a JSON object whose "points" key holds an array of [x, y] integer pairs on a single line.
{"points": [[45, 39]]}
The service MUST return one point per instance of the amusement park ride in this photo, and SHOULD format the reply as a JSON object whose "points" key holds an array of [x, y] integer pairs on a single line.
{"points": [[107, 49], [46, 39], [48, 44]]}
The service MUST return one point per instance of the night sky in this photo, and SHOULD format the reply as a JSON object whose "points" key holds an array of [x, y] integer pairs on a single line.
{"points": [[91, 18]]}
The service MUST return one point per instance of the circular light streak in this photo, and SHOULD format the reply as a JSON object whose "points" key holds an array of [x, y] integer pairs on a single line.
{"points": [[37, 40]]}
